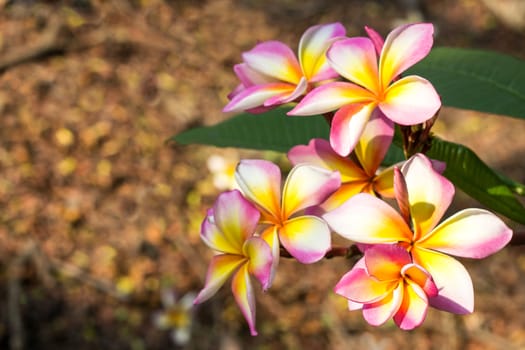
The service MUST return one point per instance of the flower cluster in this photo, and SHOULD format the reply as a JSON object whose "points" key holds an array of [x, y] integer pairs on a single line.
{"points": [[338, 185]]}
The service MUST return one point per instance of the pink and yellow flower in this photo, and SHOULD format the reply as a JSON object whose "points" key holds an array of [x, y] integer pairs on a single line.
{"points": [[373, 84], [357, 176], [271, 74], [228, 229], [424, 196], [305, 237], [386, 283]]}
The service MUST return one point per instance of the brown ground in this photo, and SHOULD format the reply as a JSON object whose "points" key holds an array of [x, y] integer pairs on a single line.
{"points": [[98, 212]]}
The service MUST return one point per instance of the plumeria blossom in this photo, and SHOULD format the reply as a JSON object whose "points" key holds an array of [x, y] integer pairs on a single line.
{"points": [[423, 196], [228, 229], [386, 283], [305, 237], [374, 84], [356, 176], [271, 74], [176, 315]]}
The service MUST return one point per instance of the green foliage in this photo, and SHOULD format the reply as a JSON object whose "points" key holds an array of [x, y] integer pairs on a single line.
{"points": [[479, 80]]}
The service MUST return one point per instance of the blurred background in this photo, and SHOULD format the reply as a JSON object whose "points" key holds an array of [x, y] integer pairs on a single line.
{"points": [[100, 216]]}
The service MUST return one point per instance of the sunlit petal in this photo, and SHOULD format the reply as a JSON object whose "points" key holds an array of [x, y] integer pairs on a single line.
{"points": [[275, 59], [401, 194], [329, 97], [456, 293], [404, 47], [256, 96], [379, 312], [307, 185], [221, 267], [319, 152], [312, 50], [367, 219], [356, 60], [385, 261], [470, 233], [235, 217], [358, 286], [429, 193], [413, 309], [345, 192], [300, 89], [348, 125], [410, 100], [260, 255], [260, 182], [384, 182], [306, 238], [243, 293], [374, 141]]}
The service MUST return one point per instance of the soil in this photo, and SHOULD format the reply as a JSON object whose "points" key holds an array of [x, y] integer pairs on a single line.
{"points": [[99, 213]]}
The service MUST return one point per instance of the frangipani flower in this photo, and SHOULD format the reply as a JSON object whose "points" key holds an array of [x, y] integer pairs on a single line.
{"points": [[228, 229], [424, 196], [356, 177], [385, 283], [305, 237], [176, 316], [272, 75], [373, 85]]}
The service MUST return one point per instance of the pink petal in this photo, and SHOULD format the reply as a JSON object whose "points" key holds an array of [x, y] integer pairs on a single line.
{"points": [[271, 237], [255, 96], [404, 46], [220, 269], [356, 285], [243, 293], [250, 77], [376, 38], [260, 255], [329, 97], [214, 238], [275, 59], [380, 311], [470, 233], [348, 125], [312, 50], [413, 309], [345, 192], [401, 194], [374, 141], [385, 261], [422, 278], [307, 186], [318, 152], [260, 182], [367, 219], [410, 100], [300, 89], [306, 238], [235, 217], [429, 194], [356, 60], [456, 293]]}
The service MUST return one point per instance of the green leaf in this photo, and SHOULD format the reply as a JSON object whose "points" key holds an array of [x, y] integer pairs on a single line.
{"points": [[479, 80], [468, 172], [273, 130]]}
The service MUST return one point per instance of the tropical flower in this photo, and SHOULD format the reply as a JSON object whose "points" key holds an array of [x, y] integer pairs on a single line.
{"points": [[374, 84], [357, 176], [223, 170], [305, 237], [228, 229], [272, 75], [424, 196], [386, 283], [176, 315]]}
